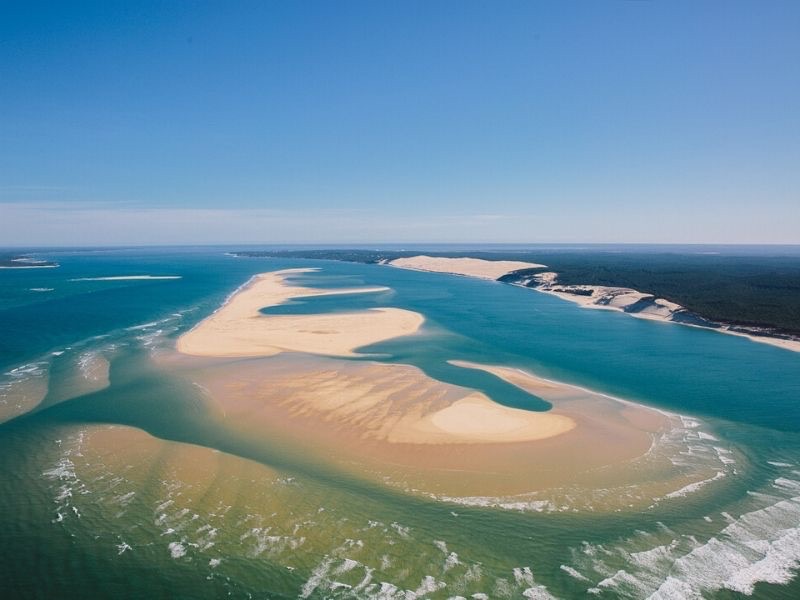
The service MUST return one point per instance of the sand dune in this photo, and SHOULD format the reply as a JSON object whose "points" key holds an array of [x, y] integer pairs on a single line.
{"points": [[470, 267], [239, 329], [645, 306]]}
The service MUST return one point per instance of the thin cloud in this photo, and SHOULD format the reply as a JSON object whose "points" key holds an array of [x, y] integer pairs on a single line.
{"points": [[97, 223]]}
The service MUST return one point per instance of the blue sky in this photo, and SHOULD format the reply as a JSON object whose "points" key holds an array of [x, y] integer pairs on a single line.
{"points": [[336, 122]]}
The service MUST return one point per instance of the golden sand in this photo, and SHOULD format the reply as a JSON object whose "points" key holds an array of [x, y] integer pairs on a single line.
{"points": [[395, 423], [239, 329]]}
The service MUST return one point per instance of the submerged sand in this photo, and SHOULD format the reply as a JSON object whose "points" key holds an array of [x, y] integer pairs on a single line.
{"points": [[395, 424], [470, 267], [238, 328]]}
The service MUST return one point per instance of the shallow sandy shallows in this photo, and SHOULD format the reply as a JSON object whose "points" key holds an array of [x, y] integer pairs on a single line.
{"points": [[239, 329], [394, 424], [470, 267]]}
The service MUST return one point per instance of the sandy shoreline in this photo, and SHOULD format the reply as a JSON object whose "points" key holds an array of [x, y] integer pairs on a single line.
{"points": [[620, 299], [629, 301], [238, 328], [394, 424]]}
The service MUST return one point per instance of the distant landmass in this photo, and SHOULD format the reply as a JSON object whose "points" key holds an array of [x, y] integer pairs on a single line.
{"points": [[754, 294]]}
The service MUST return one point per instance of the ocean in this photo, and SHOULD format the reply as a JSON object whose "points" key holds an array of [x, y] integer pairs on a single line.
{"points": [[122, 479]]}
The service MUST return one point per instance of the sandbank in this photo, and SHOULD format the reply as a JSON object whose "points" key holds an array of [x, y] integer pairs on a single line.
{"points": [[238, 328], [476, 419], [394, 424], [470, 267], [646, 306]]}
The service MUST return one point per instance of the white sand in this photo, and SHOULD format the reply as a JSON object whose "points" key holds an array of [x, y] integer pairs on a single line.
{"points": [[239, 329], [621, 299], [793, 345], [470, 267], [475, 418]]}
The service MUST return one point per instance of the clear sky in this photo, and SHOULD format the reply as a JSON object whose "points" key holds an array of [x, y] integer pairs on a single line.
{"points": [[336, 122]]}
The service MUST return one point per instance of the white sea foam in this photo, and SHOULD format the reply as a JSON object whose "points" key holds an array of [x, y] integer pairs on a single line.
{"points": [[523, 576], [92, 365], [521, 503], [127, 278], [401, 530], [347, 565], [34, 368], [694, 487], [64, 470], [538, 592], [176, 549], [318, 574], [428, 585], [28, 267], [22, 388], [573, 573], [41, 289], [762, 545], [123, 547], [142, 326]]}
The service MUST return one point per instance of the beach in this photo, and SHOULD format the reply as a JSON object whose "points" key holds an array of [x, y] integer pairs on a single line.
{"points": [[396, 426], [629, 301], [238, 328], [469, 267]]}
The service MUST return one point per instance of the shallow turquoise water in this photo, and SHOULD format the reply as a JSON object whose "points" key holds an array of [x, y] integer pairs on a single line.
{"points": [[747, 395]]}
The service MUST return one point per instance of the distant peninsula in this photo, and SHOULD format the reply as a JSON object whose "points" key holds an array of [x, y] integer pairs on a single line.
{"points": [[752, 295]]}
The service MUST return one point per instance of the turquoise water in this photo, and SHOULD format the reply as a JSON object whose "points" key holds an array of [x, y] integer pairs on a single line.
{"points": [[746, 394]]}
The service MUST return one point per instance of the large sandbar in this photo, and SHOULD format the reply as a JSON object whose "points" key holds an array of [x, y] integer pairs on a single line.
{"points": [[238, 328], [395, 424]]}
